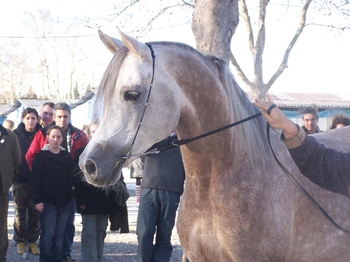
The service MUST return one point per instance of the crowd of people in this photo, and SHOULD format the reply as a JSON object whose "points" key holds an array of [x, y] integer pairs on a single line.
{"points": [[39, 162]]}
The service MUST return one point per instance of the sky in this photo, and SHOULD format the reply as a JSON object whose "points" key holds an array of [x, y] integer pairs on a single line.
{"points": [[319, 62]]}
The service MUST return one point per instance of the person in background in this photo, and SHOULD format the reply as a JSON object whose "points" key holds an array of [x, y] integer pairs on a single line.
{"points": [[162, 185], [10, 160], [339, 120], [94, 204], [73, 139], [324, 166], [310, 120], [9, 124], [52, 189], [46, 114], [118, 218], [136, 170], [26, 222]]}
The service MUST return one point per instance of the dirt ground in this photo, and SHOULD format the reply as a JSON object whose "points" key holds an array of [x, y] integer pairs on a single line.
{"points": [[118, 247]]}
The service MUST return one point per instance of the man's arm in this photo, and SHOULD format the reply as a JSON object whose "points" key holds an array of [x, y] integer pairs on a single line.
{"points": [[38, 142]]}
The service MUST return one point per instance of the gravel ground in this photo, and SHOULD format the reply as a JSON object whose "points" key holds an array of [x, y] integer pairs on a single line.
{"points": [[118, 247]]}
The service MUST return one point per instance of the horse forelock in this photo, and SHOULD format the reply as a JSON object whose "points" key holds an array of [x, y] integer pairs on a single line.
{"points": [[106, 89]]}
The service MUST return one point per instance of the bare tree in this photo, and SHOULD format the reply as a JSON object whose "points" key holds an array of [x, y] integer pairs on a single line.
{"points": [[214, 23], [14, 71], [60, 55], [257, 86]]}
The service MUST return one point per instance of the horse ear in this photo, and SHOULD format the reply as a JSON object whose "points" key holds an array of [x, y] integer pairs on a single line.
{"points": [[111, 43], [133, 45]]}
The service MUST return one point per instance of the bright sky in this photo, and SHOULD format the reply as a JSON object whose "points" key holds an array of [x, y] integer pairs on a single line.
{"points": [[319, 62]]}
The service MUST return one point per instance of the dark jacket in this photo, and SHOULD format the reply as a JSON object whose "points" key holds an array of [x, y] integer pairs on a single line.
{"points": [[24, 138], [97, 201], [10, 158], [51, 179], [324, 166], [78, 140], [164, 170]]}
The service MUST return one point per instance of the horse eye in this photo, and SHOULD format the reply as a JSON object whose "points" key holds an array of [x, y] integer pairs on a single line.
{"points": [[131, 95]]}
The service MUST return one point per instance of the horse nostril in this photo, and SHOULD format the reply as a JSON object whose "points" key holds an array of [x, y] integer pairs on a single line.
{"points": [[90, 167]]}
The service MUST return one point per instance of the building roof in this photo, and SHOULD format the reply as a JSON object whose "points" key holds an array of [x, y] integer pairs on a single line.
{"points": [[322, 101], [283, 100]]}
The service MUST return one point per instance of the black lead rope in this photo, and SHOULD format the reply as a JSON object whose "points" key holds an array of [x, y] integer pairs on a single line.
{"points": [[301, 189], [186, 141], [288, 174]]}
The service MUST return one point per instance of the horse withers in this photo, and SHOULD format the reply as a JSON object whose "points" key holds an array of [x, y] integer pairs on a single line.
{"points": [[238, 205]]}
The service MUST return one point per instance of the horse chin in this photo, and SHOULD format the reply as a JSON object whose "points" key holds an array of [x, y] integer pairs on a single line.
{"points": [[99, 180]]}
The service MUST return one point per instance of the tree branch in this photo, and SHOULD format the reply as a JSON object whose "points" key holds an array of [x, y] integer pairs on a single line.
{"points": [[248, 25], [284, 63]]}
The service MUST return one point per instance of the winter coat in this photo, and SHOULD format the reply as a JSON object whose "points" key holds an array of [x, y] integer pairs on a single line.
{"points": [[24, 138], [78, 140], [51, 179], [97, 201], [10, 158], [164, 170], [324, 166]]}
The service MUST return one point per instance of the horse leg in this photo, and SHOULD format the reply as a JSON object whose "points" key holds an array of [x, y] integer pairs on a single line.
{"points": [[184, 259]]}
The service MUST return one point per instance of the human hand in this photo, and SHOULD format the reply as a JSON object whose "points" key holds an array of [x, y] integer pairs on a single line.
{"points": [[40, 207], [276, 118]]}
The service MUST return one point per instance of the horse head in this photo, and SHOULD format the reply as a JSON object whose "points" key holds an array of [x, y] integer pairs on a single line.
{"points": [[125, 107]]}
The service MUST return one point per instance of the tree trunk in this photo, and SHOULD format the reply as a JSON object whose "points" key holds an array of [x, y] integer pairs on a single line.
{"points": [[214, 23]]}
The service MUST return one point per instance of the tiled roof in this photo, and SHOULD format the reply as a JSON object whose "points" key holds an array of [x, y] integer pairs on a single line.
{"points": [[37, 103], [322, 101]]}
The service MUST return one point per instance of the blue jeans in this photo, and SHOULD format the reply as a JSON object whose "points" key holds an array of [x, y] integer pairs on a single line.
{"points": [[70, 229], [157, 212], [53, 223], [93, 237]]}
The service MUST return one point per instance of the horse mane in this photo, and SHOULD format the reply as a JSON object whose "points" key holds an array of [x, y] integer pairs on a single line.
{"points": [[253, 131]]}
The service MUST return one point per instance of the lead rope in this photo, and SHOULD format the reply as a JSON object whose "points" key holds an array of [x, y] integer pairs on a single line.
{"points": [[300, 187]]}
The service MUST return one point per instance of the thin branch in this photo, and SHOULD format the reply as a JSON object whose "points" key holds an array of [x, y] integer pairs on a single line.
{"points": [[284, 63], [248, 25], [239, 70]]}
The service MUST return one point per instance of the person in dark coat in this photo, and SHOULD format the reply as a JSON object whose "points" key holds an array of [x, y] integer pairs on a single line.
{"points": [[94, 204], [52, 189], [324, 166], [162, 185], [10, 160], [26, 222]]}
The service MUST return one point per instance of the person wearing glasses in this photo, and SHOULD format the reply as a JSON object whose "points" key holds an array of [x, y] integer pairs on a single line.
{"points": [[310, 120]]}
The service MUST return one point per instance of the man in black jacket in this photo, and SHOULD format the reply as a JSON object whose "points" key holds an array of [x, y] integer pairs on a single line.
{"points": [[162, 185]]}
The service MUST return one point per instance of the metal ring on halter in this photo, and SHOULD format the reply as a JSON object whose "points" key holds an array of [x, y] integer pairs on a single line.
{"points": [[270, 108]]}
